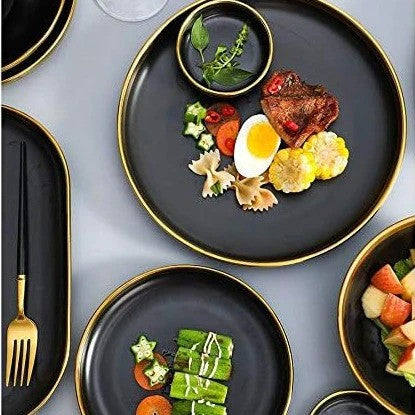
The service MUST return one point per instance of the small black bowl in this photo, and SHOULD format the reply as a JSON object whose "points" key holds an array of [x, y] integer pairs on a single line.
{"points": [[348, 402], [224, 19], [359, 337]]}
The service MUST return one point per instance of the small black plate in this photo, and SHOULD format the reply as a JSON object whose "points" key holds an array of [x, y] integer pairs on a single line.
{"points": [[359, 336], [323, 46], [161, 302], [48, 279], [348, 403], [46, 47], [26, 24], [224, 20]]}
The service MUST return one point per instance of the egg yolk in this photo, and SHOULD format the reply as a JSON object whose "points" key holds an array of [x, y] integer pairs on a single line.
{"points": [[262, 140]]}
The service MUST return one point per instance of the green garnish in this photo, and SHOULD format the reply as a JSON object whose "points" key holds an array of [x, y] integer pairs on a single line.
{"points": [[195, 113], [193, 130], [156, 373], [206, 142], [200, 36], [223, 69], [410, 378], [216, 188], [403, 267], [395, 352], [143, 349]]}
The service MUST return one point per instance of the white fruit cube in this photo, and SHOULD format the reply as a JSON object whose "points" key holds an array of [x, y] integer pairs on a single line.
{"points": [[373, 300]]}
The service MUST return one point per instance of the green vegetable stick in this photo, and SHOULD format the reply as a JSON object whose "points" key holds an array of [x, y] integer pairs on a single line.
{"points": [[197, 408], [207, 343], [211, 367], [192, 387]]}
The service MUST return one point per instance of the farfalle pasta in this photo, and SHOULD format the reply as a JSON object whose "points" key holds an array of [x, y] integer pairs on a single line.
{"points": [[264, 200], [249, 192], [216, 181]]}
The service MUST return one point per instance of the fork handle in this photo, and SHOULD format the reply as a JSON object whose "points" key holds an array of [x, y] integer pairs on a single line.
{"points": [[21, 287]]}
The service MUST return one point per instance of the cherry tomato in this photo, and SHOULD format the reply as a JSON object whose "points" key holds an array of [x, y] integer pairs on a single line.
{"points": [[213, 117], [276, 86], [228, 110]]}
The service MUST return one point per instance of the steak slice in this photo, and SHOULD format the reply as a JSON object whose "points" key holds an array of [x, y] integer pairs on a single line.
{"points": [[295, 109]]}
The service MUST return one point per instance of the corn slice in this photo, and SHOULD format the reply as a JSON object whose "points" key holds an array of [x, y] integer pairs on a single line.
{"points": [[293, 170], [330, 153]]}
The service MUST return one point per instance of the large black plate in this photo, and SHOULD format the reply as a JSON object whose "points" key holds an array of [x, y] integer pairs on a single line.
{"points": [[46, 47], [324, 46], [360, 338], [348, 403], [161, 302], [48, 281]]}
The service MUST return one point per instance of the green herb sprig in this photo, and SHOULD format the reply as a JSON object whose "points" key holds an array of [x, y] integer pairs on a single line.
{"points": [[224, 67]]}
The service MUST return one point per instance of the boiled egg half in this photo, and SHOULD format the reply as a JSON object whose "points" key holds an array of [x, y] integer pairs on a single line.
{"points": [[255, 146]]}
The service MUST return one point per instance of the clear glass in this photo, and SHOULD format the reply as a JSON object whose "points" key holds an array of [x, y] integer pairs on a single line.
{"points": [[132, 10]]}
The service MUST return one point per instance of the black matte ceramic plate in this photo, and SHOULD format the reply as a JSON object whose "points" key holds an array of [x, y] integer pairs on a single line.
{"points": [[48, 280], [46, 47], [348, 403], [360, 338], [161, 302], [27, 24], [324, 46]]}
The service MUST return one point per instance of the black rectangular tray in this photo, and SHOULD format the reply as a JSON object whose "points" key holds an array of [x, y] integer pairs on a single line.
{"points": [[49, 249]]}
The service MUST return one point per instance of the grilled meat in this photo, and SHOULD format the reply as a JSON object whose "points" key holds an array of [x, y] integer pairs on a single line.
{"points": [[295, 109]]}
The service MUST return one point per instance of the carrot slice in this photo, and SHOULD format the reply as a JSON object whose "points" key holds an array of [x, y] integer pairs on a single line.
{"points": [[154, 405], [226, 136], [141, 378]]}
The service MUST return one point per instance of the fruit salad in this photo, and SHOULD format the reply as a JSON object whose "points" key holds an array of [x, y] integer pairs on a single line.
{"points": [[389, 301]]}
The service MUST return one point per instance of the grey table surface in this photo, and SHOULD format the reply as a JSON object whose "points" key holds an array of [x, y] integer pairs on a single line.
{"points": [[75, 94]]}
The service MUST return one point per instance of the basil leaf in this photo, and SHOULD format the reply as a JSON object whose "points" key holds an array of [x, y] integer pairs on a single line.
{"points": [[199, 35], [230, 76], [208, 74]]}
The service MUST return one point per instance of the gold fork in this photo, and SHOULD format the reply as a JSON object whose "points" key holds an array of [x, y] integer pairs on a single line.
{"points": [[22, 331]]}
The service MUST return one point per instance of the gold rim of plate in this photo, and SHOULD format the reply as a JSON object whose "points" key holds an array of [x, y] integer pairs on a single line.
{"points": [[125, 287], [185, 27], [319, 406], [135, 67], [344, 294], [47, 53], [59, 151], [26, 54]]}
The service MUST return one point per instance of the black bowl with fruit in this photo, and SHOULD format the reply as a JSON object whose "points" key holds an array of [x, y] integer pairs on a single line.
{"points": [[377, 317]]}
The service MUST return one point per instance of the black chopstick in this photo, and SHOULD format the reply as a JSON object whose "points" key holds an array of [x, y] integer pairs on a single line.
{"points": [[22, 220]]}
